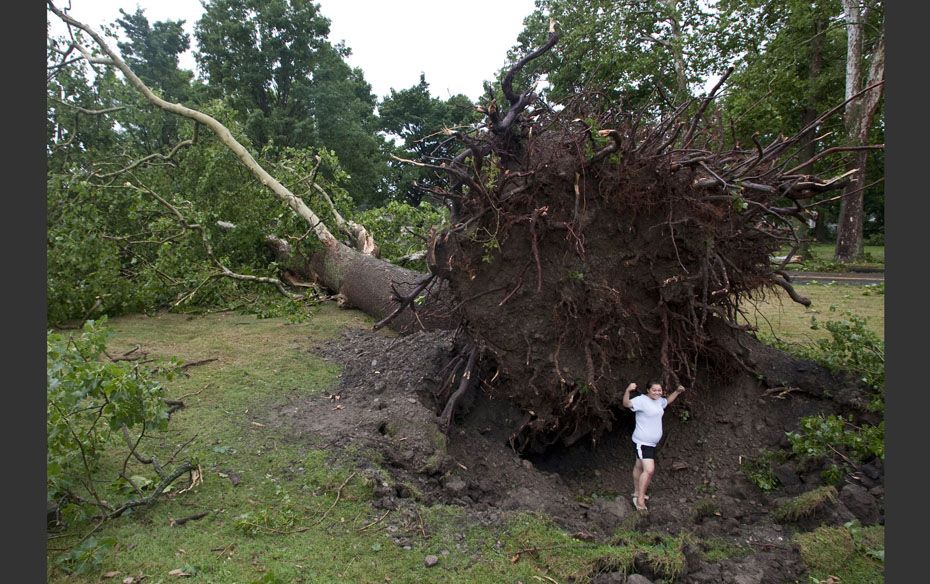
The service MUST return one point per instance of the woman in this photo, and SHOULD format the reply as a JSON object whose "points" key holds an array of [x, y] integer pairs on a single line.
{"points": [[649, 410]]}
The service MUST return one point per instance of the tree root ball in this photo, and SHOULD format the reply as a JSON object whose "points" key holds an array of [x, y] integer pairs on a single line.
{"points": [[581, 260]]}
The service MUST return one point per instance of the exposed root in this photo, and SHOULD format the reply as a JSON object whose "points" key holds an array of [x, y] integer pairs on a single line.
{"points": [[468, 381]]}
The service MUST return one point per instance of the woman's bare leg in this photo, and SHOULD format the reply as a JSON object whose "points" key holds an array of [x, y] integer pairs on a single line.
{"points": [[637, 472], [645, 477]]}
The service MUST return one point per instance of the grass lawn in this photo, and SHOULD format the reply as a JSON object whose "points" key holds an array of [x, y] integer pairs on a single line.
{"points": [[301, 513], [781, 317], [822, 259], [858, 553]]}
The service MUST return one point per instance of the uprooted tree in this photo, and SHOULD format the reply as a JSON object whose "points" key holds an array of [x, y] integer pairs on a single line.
{"points": [[587, 247]]}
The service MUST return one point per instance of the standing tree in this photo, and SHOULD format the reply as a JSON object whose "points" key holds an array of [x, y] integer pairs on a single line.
{"points": [[790, 70], [859, 115], [419, 119], [290, 85], [153, 51], [626, 50]]}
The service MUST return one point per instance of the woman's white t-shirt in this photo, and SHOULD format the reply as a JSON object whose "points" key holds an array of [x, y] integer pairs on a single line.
{"points": [[648, 419]]}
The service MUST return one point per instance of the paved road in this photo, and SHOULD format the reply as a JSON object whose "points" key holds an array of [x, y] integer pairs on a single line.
{"points": [[849, 278]]}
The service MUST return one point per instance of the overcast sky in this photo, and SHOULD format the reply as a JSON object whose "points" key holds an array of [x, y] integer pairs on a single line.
{"points": [[456, 44]]}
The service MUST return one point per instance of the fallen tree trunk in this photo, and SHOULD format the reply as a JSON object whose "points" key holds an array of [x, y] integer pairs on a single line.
{"points": [[370, 284]]}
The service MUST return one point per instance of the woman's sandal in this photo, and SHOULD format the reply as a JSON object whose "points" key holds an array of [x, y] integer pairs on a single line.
{"points": [[637, 506]]}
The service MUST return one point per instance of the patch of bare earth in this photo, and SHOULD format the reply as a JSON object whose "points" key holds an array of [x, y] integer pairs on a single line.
{"points": [[384, 410]]}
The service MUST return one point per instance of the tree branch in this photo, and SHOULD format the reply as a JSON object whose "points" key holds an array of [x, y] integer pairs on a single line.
{"points": [[507, 83], [156, 155], [223, 270]]}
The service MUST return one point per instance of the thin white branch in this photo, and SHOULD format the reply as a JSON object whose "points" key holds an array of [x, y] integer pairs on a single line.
{"points": [[290, 199], [89, 111]]}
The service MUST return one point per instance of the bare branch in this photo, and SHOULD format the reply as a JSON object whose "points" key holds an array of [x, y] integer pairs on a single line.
{"points": [[829, 151], [609, 149], [791, 291], [88, 111], [507, 83], [405, 301], [700, 113]]}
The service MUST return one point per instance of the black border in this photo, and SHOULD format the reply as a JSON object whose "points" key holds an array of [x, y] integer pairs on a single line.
{"points": [[24, 292], [906, 223]]}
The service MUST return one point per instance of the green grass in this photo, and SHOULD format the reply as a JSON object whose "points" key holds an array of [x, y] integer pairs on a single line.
{"points": [[826, 251], [718, 549], [778, 315], [822, 255], [805, 504], [853, 554], [283, 522]]}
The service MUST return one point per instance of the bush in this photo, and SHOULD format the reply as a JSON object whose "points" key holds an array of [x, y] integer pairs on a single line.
{"points": [[820, 436], [854, 349], [90, 400]]}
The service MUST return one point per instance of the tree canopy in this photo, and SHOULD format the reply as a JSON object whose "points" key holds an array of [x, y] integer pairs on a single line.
{"points": [[418, 119], [290, 86]]}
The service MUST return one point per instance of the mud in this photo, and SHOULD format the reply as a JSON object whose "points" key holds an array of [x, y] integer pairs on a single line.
{"points": [[383, 410]]}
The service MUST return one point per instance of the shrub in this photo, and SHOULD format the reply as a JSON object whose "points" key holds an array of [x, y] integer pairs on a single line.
{"points": [[820, 436], [854, 349], [91, 399]]}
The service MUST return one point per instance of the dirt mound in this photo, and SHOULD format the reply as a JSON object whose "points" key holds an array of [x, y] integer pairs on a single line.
{"points": [[385, 410]]}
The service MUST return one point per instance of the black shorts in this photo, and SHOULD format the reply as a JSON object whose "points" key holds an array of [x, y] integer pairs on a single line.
{"points": [[643, 451]]}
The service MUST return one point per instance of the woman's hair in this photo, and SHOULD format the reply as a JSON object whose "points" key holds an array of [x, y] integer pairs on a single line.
{"points": [[651, 383]]}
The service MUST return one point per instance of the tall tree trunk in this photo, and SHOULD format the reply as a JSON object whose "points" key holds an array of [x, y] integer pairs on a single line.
{"points": [[809, 116], [681, 72], [858, 120]]}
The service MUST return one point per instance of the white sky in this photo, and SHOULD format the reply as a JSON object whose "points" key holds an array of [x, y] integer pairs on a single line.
{"points": [[456, 44]]}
